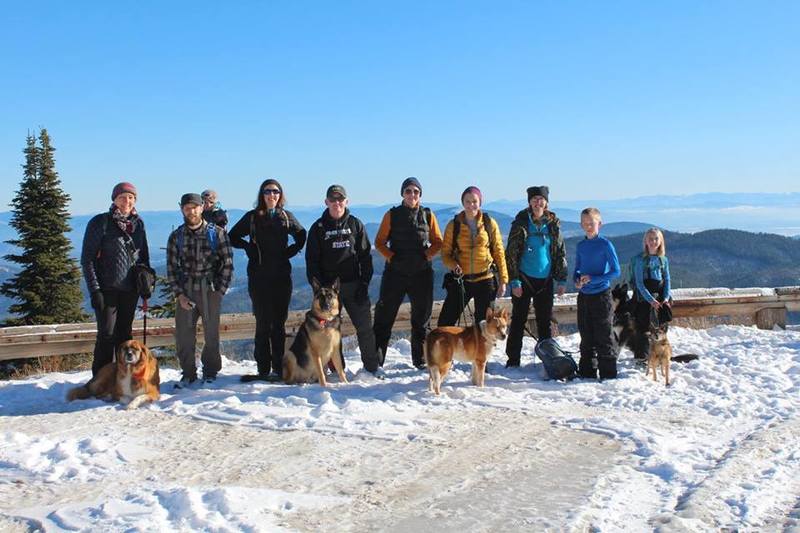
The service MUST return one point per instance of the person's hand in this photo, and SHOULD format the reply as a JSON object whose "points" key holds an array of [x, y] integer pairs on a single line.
{"points": [[585, 278], [561, 290], [185, 302], [457, 270], [517, 292], [97, 300], [655, 304], [501, 290]]}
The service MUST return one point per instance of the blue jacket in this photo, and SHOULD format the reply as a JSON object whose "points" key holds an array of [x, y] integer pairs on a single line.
{"points": [[597, 258], [651, 267]]}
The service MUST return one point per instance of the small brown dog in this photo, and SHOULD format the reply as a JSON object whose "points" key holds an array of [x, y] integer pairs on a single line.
{"points": [[660, 352], [318, 340], [132, 379], [473, 344]]}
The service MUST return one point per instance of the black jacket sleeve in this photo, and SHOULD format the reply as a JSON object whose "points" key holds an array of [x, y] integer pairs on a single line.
{"points": [[363, 253], [298, 233], [144, 249], [240, 230], [92, 240], [313, 255]]}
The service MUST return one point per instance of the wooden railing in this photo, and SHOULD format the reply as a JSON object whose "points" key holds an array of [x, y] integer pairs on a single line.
{"points": [[764, 310]]}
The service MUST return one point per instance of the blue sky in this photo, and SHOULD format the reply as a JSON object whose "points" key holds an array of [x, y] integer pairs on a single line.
{"points": [[600, 100]]}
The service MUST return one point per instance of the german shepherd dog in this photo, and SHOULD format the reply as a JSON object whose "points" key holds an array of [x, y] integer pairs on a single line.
{"points": [[473, 344], [132, 379], [318, 340], [660, 352], [626, 332]]}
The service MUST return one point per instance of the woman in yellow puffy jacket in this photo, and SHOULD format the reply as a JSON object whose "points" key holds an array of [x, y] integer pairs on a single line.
{"points": [[473, 252]]}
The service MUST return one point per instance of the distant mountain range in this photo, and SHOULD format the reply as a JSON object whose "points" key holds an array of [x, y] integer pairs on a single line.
{"points": [[714, 258]]}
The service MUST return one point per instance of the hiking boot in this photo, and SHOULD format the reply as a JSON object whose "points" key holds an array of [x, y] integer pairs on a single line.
{"points": [[209, 379], [185, 382], [607, 367], [379, 373], [512, 363]]}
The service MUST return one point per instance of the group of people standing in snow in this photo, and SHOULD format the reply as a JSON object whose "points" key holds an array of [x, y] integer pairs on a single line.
{"points": [[200, 269]]}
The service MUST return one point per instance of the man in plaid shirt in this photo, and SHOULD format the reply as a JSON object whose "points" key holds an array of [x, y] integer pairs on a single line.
{"points": [[199, 271]]}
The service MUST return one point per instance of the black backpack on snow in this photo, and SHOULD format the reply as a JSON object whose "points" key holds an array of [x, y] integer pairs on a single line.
{"points": [[557, 363]]}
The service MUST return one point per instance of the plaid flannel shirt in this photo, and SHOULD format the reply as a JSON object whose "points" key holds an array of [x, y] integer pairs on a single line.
{"points": [[187, 268]]}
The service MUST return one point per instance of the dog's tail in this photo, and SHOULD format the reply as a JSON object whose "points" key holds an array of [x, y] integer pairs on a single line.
{"points": [[685, 357], [78, 393]]}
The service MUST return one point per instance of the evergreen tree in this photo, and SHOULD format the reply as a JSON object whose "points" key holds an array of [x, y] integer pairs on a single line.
{"points": [[47, 288]]}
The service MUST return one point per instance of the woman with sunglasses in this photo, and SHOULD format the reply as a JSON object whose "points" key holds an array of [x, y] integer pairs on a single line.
{"points": [[263, 234], [408, 238]]}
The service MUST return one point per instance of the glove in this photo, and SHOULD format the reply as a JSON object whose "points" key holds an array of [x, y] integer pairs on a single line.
{"points": [[97, 300], [362, 293]]}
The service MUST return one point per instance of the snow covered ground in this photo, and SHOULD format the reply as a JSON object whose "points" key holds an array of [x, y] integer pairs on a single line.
{"points": [[717, 449]]}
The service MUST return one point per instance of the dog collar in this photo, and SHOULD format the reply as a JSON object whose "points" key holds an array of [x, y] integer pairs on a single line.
{"points": [[326, 323], [138, 375]]}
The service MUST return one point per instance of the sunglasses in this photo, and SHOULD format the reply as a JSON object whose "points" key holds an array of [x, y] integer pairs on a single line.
{"points": [[270, 191], [336, 199], [415, 192]]}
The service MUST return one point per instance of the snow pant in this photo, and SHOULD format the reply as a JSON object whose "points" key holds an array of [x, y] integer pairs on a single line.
{"points": [[459, 295], [394, 287], [270, 295], [360, 313], [540, 290], [597, 339], [114, 325], [207, 306]]}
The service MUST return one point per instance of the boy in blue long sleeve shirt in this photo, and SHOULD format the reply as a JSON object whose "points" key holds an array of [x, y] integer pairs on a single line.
{"points": [[596, 264]]}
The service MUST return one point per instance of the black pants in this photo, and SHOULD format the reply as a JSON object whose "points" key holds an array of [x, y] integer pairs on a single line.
{"points": [[270, 295], [597, 339], [645, 316], [483, 292], [540, 290], [114, 324], [394, 287]]}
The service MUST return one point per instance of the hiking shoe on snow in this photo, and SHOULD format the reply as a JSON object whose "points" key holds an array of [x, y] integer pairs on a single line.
{"points": [[379, 373], [185, 383]]}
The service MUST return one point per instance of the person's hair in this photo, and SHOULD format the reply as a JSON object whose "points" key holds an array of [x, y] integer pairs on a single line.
{"points": [[472, 189], [662, 246], [592, 212], [261, 204]]}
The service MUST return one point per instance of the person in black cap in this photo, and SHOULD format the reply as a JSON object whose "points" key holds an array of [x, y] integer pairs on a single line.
{"points": [[338, 247], [537, 260], [263, 234], [408, 237], [114, 243], [199, 271]]}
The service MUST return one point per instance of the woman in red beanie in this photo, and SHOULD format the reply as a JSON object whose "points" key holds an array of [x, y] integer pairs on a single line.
{"points": [[114, 243]]}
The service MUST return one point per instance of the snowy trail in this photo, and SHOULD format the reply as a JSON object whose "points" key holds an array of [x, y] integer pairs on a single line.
{"points": [[718, 449]]}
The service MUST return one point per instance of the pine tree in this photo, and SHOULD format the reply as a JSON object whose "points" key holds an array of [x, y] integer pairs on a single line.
{"points": [[47, 288]]}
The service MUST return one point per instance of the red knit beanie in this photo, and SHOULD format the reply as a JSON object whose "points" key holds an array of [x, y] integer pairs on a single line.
{"points": [[122, 187]]}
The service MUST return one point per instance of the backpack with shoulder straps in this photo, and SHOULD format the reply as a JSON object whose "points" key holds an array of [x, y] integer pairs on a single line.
{"points": [[487, 224], [211, 235]]}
